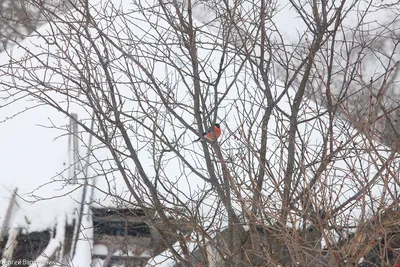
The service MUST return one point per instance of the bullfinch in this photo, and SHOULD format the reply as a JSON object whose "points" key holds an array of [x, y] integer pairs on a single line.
{"points": [[210, 135]]}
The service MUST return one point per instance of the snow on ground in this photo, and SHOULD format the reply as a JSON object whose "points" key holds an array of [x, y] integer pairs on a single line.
{"points": [[84, 245], [166, 259]]}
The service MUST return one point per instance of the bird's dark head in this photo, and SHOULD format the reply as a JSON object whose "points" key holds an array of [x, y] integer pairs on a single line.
{"points": [[217, 125]]}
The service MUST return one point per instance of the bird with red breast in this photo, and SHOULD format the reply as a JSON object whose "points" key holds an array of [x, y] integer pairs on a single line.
{"points": [[210, 133]]}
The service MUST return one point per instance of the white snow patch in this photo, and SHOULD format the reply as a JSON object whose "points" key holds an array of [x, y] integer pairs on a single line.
{"points": [[100, 250], [166, 258], [84, 245]]}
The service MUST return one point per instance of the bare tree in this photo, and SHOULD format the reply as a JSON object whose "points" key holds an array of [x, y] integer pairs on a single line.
{"points": [[19, 18], [289, 182]]}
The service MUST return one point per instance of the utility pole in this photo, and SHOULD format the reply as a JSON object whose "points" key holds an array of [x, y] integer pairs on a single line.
{"points": [[8, 214], [73, 146], [12, 236]]}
